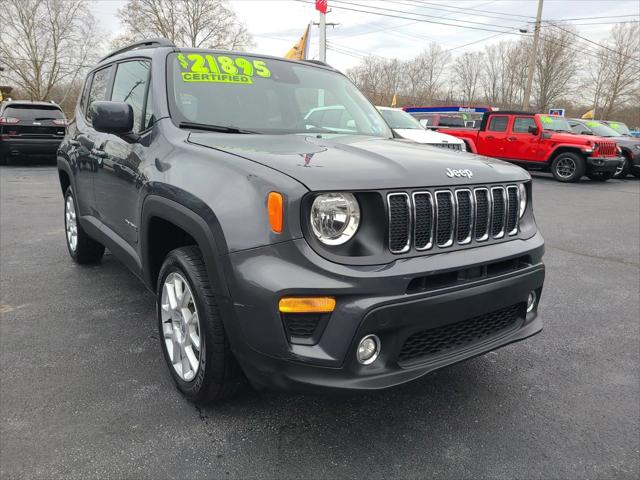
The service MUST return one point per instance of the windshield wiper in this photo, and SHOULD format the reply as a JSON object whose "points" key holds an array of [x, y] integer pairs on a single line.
{"points": [[214, 128]]}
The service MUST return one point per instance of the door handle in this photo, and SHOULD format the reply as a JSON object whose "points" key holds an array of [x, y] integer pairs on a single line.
{"points": [[511, 139], [490, 137]]}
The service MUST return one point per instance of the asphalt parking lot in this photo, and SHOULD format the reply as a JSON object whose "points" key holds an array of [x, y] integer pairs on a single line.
{"points": [[85, 393]]}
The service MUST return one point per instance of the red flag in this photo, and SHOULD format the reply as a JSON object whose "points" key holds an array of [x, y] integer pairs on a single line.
{"points": [[321, 6]]}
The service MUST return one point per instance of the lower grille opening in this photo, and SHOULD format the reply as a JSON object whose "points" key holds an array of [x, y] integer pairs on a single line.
{"points": [[448, 338], [456, 277], [304, 328]]}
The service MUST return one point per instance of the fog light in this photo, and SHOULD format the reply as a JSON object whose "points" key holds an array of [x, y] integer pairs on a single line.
{"points": [[368, 349], [531, 301]]}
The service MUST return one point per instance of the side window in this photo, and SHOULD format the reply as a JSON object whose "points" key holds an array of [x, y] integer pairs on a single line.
{"points": [[498, 124], [522, 124], [99, 86], [130, 86]]}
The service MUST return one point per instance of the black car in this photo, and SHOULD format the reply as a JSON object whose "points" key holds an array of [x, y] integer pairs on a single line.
{"points": [[630, 146], [282, 251], [30, 128]]}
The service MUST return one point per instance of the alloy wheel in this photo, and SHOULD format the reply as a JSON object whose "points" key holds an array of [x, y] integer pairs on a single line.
{"points": [[565, 167], [181, 326], [71, 223]]}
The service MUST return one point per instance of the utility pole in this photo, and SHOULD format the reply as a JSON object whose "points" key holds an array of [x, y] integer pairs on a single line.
{"points": [[532, 58], [323, 37]]}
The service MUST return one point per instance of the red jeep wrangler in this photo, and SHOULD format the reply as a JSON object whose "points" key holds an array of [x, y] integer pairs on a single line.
{"points": [[542, 142]]}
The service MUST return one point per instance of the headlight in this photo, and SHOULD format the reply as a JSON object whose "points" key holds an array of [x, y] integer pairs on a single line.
{"points": [[523, 198], [335, 217]]}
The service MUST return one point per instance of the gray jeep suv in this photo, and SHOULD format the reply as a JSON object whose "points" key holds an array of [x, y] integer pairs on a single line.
{"points": [[284, 252]]}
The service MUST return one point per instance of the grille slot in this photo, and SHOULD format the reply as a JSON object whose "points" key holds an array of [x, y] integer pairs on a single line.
{"points": [[441, 340], [399, 222], [483, 207], [427, 219], [498, 202], [513, 207], [444, 218], [423, 219], [464, 216]]}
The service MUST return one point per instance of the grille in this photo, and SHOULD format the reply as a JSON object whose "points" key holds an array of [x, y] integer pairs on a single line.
{"points": [[464, 216], [448, 338], [607, 148], [499, 209], [423, 204], [482, 213], [399, 222], [442, 218], [449, 146], [444, 221]]}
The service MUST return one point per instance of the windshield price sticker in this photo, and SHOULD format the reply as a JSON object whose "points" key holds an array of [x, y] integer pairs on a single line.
{"points": [[592, 124], [220, 69], [546, 119]]}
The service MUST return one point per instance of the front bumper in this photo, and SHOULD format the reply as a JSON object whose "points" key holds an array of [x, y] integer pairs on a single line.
{"points": [[604, 164], [372, 299], [17, 146]]}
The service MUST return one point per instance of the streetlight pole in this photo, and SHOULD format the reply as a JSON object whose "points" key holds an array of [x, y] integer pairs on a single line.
{"points": [[532, 58]]}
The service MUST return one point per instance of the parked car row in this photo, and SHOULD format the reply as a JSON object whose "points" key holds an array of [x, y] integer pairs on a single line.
{"points": [[568, 148]]}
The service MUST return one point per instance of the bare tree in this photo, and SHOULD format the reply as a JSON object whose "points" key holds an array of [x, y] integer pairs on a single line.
{"points": [[430, 67], [556, 67], [622, 66], [467, 69], [188, 23], [45, 44]]}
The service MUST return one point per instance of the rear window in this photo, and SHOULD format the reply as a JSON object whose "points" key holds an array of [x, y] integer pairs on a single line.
{"points": [[451, 122], [33, 112]]}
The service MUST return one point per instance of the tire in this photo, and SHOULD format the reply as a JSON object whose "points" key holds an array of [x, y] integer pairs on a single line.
{"points": [[600, 176], [82, 248], [622, 172], [201, 362], [568, 167]]}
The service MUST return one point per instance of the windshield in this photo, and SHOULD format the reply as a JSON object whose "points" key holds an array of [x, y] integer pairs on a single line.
{"points": [[267, 96], [557, 124], [399, 120], [601, 129], [621, 128]]}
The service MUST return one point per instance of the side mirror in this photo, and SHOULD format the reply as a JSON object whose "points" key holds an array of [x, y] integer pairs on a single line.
{"points": [[534, 130], [113, 117]]}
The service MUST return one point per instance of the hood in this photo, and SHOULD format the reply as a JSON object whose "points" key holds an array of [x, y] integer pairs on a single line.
{"points": [[341, 162], [624, 141], [426, 136], [573, 138]]}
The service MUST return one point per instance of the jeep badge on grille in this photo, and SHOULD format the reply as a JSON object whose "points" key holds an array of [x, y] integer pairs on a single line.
{"points": [[459, 173]]}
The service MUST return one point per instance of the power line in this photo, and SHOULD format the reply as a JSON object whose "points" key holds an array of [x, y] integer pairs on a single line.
{"points": [[410, 18], [467, 9], [416, 15], [426, 5], [594, 43]]}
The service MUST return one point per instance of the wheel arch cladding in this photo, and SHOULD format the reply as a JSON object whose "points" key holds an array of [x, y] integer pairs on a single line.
{"points": [[167, 224], [564, 149]]}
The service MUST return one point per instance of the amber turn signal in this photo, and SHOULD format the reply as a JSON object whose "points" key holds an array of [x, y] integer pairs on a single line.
{"points": [[307, 304], [275, 206]]}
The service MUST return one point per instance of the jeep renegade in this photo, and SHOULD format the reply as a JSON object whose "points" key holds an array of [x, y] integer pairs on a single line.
{"points": [[282, 251]]}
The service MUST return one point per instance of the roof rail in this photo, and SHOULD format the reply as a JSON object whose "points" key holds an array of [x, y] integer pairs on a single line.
{"points": [[317, 62], [150, 43]]}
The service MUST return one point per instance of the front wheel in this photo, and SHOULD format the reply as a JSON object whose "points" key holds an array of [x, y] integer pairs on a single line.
{"points": [[568, 167], [192, 334]]}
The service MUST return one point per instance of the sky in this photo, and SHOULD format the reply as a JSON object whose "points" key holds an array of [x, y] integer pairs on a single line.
{"points": [[277, 24]]}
